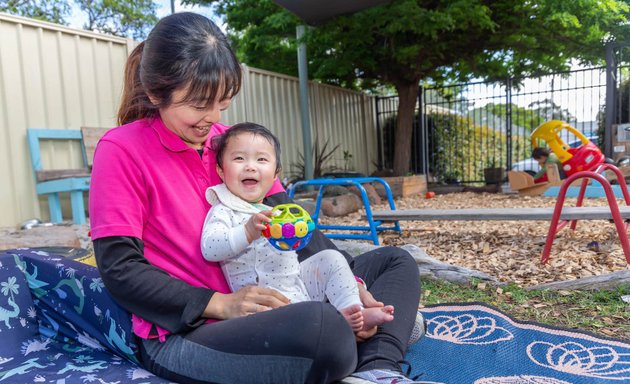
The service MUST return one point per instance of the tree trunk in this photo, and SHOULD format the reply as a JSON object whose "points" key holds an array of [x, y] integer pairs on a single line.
{"points": [[407, 96]]}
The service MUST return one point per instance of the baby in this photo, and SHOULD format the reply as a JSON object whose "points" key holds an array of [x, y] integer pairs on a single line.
{"points": [[248, 162]]}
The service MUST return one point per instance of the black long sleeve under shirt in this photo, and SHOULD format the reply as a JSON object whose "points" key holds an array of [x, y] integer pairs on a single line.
{"points": [[152, 294]]}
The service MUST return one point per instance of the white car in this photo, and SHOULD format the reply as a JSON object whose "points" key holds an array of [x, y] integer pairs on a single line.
{"points": [[531, 166]]}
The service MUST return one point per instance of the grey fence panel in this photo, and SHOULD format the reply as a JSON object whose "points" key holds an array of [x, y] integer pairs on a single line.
{"points": [[50, 77]]}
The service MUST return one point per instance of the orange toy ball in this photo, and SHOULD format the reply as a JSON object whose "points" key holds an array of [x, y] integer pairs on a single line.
{"points": [[429, 195]]}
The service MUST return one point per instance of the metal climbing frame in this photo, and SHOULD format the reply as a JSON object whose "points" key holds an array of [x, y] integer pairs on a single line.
{"points": [[373, 227], [620, 225]]}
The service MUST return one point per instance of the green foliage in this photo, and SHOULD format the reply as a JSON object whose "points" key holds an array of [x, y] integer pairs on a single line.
{"points": [[532, 116], [322, 155], [54, 11], [405, 41], [461, 150], [262, 34], [123, 18], [119, 17], [548, 110]]}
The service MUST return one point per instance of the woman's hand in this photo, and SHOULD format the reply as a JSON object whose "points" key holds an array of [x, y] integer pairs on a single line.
{"points": [[361, 336], [367, 299], [255, 225], [245, 301], [368, 302]]}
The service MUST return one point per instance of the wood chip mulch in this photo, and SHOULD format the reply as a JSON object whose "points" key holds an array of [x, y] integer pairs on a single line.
{"points": [[508, 250]]}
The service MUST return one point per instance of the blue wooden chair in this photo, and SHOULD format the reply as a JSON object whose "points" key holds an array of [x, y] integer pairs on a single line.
{"points": [[54, 182]]}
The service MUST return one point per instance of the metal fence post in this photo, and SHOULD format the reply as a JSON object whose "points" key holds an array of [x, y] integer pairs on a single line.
{"points": [[611, 86], [423, 135], [379, 135], [508, 122], [304, 103]]}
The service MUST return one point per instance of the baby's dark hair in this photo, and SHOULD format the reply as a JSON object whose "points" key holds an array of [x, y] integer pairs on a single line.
{"points": [[220, 142], [539, 152]]}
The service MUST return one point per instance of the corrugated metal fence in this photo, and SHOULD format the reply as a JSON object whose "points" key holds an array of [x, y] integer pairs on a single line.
{"points": [[60, 78]]}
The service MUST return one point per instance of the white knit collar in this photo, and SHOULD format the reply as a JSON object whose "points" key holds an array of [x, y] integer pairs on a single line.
{"points": [[221, 194]]}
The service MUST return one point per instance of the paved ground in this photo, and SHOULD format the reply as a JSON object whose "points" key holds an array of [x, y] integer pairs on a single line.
{"points": [[65, 235]]}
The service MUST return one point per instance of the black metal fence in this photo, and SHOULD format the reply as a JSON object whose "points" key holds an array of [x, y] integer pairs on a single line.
{"points": [[462, 129]]}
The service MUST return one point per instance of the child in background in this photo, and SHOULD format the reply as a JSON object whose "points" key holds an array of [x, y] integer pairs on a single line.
{"points": [[248, 162], [544, 157]]}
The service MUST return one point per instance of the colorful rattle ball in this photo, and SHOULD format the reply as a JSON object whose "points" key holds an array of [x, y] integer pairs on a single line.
{"points": [[290, 229]]}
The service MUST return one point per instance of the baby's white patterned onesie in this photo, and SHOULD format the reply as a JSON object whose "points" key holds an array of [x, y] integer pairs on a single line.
{"points": [[325, 275]]}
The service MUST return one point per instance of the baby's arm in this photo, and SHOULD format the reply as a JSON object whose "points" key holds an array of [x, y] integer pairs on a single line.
{"points": [[256, 224], [221, 238]]}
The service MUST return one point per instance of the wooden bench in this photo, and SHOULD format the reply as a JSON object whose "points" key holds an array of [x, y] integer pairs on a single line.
{"points": [[90, 137], [559, 216], [566, 215], [76, 181], [482, 214], [524, 183]]}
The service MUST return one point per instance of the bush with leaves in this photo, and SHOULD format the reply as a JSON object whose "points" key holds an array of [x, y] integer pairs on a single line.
{"points": [[321, 161]]}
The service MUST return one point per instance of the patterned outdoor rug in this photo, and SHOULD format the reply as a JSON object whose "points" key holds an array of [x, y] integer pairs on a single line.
{"points": [[477, 344]]}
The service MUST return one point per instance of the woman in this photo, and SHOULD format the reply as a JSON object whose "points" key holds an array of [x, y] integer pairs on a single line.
{"points": [[147, 208]]}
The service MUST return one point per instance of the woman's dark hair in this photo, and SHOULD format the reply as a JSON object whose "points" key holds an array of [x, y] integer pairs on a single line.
{"points": [[539, 152], [220, 142], [183, 51]]}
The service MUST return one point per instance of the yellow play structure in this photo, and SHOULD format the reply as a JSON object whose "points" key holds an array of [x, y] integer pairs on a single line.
{"points": [[585, 157]]}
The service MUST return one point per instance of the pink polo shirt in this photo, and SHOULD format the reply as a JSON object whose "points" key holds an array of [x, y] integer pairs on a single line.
{"points": [[147, 183]]}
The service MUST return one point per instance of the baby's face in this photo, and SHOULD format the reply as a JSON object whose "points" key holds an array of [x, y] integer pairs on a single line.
{"points": [[249, 166]]}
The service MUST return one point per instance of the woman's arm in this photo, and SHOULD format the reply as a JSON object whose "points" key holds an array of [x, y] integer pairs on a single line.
{"points": [[146, 290], [170, 303]]}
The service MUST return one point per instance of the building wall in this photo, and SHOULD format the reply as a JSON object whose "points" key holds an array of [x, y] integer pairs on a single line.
{"points": [[61, 78]]}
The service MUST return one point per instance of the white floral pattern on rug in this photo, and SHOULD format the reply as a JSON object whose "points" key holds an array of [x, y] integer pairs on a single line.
{"points": [[571, 357], [520, 380], [467, 329]]}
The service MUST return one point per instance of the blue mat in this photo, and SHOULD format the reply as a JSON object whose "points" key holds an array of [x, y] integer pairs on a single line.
{"points": [[477, 344], [594, 190], [59, 325]]}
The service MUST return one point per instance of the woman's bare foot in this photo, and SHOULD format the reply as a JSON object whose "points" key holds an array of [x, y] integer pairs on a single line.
{"points": [[375, 316], [354, 316]]}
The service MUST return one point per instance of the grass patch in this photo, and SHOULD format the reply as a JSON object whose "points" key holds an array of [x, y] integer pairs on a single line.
{"points": [[601, 312]]}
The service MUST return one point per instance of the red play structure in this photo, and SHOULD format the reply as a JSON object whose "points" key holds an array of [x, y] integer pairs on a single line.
{"points": [[586, 157], [584, 162]]}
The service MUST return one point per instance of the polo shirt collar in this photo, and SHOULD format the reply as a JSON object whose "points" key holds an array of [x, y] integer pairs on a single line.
{"points": [[168, 138]]}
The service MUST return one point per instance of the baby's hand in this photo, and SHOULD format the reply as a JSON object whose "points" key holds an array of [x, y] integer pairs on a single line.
{"points": [[256, 224]]}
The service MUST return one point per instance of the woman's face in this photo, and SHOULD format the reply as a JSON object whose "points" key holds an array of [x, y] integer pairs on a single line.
{"points": [[192, 122]]}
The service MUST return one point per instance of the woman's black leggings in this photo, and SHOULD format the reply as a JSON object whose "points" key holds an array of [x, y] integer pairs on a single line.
{"points": [[307, 342]]}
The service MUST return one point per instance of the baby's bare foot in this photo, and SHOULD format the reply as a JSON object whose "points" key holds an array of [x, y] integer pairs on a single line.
{"points": [[353, 316], [375, 316]]}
